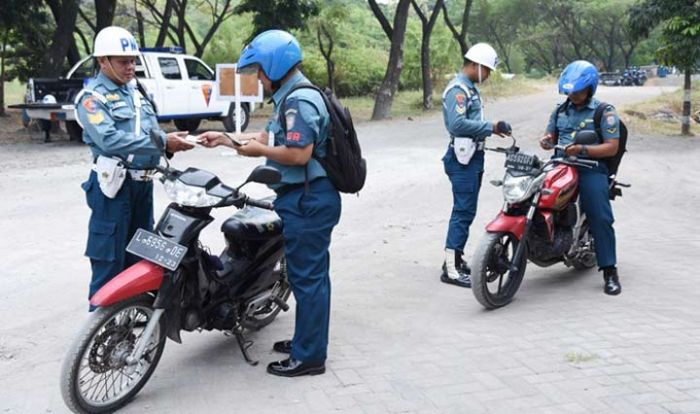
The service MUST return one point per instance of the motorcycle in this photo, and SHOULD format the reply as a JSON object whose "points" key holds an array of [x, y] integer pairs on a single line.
{"points": [[541, 221], [626, 78], [179, 285]]}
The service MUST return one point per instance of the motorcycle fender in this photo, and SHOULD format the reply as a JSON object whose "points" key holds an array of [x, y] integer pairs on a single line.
{"points": [[142, 277], [509, 224]]}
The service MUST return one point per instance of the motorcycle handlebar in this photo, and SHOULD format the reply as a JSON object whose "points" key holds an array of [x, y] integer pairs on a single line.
{"points": [[259, 203]]}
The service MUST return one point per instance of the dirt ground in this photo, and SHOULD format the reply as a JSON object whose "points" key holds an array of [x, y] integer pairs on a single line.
{"points": [[400, 340]]}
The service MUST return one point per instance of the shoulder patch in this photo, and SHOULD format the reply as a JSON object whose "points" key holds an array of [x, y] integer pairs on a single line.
{"points": [[96, 118], [461, 100], [90, 105], [290, 117]]}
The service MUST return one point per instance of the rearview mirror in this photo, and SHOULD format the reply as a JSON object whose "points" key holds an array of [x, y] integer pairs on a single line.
{"points": [[264, 174], [587, 137]]}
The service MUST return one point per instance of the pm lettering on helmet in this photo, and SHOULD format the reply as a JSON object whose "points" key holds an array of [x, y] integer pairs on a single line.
{"points": [[128, 44]]}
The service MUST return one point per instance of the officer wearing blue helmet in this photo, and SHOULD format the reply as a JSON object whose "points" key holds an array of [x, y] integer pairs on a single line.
{"points": [[578, 82], [116, 121], [463, 114], [307, 201]]}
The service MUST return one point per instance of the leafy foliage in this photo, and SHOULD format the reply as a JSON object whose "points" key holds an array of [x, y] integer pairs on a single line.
{"points": [[278, 14]]}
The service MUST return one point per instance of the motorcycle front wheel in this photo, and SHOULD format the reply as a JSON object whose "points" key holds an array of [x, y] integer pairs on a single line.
{"points": [[493, 284], [95, 377]]}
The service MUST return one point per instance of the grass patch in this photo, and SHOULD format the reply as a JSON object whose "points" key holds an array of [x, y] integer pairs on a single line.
{"points": [[661, 115], [14, 92], [574, 357]]}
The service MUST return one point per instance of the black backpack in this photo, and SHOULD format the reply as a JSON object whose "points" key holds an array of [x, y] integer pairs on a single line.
{"points": [[613, 162], [343, 161]]}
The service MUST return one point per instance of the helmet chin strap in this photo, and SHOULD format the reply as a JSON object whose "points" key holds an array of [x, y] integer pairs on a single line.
{"points": [[114, 72], [479, 72]]}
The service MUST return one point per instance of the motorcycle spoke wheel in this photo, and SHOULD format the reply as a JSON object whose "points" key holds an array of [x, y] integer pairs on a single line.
{"points": [[493, 284], [96, 377], [262, 316]]}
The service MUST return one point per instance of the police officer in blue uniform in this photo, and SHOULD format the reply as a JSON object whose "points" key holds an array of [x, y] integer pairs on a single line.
{"points": [[307, 201], [116, 121], [578, 82], [463, 114]]}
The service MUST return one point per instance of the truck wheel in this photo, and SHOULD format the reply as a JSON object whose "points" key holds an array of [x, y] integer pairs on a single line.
{"points": [[230, 119], [75, 132], [190, 125]]}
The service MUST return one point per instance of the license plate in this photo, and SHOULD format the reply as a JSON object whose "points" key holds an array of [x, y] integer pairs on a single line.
{"points": [[156, 249], [521, 162]]}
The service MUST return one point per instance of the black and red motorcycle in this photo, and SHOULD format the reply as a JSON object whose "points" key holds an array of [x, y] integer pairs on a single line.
{"points": [[178, 286], [541, 221]]}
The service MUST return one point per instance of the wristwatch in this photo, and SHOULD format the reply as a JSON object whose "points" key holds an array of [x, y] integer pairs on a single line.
{"points": [[583, 151]]}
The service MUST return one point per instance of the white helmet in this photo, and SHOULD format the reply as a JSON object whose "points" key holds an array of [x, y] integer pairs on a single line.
{"points": [[483, 54], [115, 41]]}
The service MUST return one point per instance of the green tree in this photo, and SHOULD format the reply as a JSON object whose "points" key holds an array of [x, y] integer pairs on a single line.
{"points": [[396, 34], [680, 37], [428, 19], [24, 31], [277, 14]]}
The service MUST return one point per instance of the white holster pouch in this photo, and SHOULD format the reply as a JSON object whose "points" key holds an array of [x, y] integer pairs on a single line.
{"points": [[464, 149], [111, 174]]}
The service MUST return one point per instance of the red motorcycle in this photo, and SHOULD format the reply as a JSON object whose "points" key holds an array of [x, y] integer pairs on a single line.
{"points": [[541, 221]]}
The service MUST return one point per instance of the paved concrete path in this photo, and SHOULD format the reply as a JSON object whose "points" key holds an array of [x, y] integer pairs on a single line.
{"points": [[400, 340]]}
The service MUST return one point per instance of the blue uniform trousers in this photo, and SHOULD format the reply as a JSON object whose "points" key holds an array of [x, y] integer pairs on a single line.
{"points": [[466, 183], [112, 224], [309, 218], [595, 202]]}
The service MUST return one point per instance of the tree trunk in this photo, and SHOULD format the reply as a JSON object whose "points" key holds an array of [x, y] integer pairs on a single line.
{"points": [[104, 13], [163, 31], [428, 25], [685, 130], [425, 71], [62, 41], [327, 55], [2, 72], [385, 94], [140, 29]]}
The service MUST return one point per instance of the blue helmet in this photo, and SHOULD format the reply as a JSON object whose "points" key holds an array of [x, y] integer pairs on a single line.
{"points": [[276, 51], [577, 76]]}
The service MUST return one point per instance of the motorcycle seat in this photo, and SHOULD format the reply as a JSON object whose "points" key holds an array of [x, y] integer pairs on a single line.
{"points": [[252, 223]]}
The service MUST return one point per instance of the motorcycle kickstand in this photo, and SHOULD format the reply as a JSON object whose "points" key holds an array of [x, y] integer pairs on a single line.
{"points": [[244, 344]]}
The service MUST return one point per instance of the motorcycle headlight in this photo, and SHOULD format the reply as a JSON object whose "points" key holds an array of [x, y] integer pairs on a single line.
{"points": [[188, 195], [517, 189]]}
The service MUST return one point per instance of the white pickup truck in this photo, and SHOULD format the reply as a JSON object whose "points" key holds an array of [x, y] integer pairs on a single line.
{"points": [[184, 89]]}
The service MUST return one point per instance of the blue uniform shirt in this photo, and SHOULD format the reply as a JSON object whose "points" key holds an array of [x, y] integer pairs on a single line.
{"points": [[570, 120], [307, 122], [462, 111], [108, 116]]}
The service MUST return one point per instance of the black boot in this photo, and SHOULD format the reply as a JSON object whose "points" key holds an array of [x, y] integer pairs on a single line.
{"points": [[455, 274], [612, 281]]}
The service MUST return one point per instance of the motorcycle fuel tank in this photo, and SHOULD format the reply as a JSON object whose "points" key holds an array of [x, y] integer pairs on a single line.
{"points": [[561, 185]]}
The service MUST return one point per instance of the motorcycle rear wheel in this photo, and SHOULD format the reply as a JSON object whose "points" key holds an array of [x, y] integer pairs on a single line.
{"points": [[491, 265], [260, 318], [94, 375]]}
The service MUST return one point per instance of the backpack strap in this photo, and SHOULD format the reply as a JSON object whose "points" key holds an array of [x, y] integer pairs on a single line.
{"points": [[561, 108], [597, 119]]}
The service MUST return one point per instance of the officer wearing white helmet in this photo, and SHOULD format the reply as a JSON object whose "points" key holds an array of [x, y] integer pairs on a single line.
{"points": [[116, 120], [463, 113]]}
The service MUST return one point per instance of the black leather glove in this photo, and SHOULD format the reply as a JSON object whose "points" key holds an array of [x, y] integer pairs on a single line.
{"points": [[503, 127]]}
